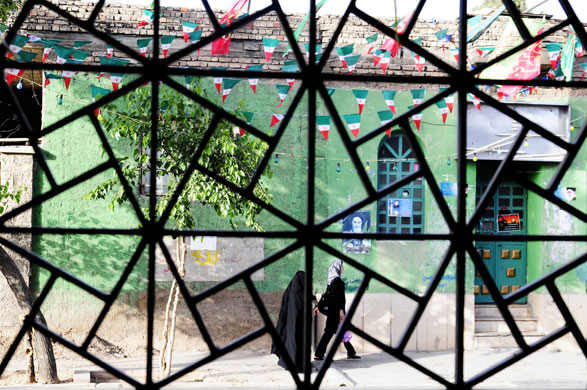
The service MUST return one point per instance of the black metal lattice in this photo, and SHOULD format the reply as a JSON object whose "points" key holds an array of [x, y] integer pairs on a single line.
{"points": [[308, 235]]}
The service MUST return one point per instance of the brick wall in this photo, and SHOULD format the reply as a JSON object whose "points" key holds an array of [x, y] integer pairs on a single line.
{"points": [[120, 21]]}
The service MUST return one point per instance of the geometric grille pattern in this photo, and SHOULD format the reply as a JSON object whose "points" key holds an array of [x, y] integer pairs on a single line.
{"points": [[311, 235]]}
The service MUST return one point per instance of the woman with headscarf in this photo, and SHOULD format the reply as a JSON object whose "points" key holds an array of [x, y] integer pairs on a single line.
{"points": [[336, 311], [290, 323]]}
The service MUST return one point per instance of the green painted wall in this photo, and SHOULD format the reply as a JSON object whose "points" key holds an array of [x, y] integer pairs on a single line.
{"points": [[99, 259]]}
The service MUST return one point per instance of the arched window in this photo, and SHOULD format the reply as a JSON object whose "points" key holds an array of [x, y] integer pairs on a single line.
{"points": [[401, 211]]}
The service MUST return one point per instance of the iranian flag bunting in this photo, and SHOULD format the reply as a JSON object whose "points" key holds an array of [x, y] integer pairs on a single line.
{"points": [[147, 18], [166, 44], [354, 123], [116, 79], [344, 52], [188, 27], [443, 110], [63, 54], [12, 73], [68, 74], [222, 45], [290, 67], [17, 44], [416, 118], [78, 44], [47, 46], [554, 50], [98, 93], [111, 61], [351, 62], [269, 46], [275, 119], [79, 55], [361, 96], [388, 96], [49, 77], [253, 82], [143, 45], [372, 41], [218, 79], [417, 96], [455, 53], [323, 122], [579, 51], [109, 50], [228, 86], [419, 60], [476, 101], [330, 91], [443, 37], [584, 65], [385, 117], [249, 118], [385, 60], [449, 100], [307, 53], [33, 38], [378, 55], [484, 51], [190, 79], [282, 90], [195, 36]]}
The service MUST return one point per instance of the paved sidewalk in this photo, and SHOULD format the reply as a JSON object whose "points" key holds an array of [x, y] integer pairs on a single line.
{"points": [[258, 370]]}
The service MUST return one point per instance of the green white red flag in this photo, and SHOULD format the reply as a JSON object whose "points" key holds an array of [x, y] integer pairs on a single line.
{"points": [[361, 96], [351, 62], [49, 77], [98, 93], [449, 100], [116, 79], [79, 55], [68, 74], [282, 90], [391, 44], [455, 52], [353, 121], [47, 46], [476, 101], [109, 50], [385, 60], [443, 37], [323, 122], [417, 97], [388, 96], [105, 61], [143, 45], [290, 67], [418, 59], [378, 55], [78, 44], [147, 18], [385, 117], [249, 118], [484, 51], [63, 54], [269, 46], [344, 52], [307, 53], [554, 50], [17, 44], [187, 28], [443, 110], [371, 41], [22, 56], [253, 82], [228, 86], [195, 37], [275, 119], [166, 44], [568, 57]]}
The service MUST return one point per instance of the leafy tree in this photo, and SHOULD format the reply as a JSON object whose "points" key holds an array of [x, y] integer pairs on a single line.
{"points": [[7, 7], [182, 125]]}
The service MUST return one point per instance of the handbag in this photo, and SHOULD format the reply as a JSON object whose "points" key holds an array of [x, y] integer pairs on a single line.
{"points": [[325, 301]]}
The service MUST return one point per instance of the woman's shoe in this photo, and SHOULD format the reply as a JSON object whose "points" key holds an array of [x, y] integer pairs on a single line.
{"points": [[318, 357], [354, 357]]}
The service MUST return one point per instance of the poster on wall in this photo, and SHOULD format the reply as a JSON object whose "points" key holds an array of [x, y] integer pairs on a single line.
{"points": [[566, 193], [508, 223], [357, 222], [448, 189], [399, 207]]}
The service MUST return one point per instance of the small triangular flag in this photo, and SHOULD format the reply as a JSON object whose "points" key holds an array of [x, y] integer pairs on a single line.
{"points": [[143, 45], [190, 79], [418, 59], [416, 118], [385, 60], [253, 82], [554, 50], [63, 53], [378, 55], [49, 77], [105, 61], [443, 37], [354, 123], [116, 79], [195, 36], [47, 46], [68, 74], [78, 44], [166, 44], [269, 46], [228, 85], [98, 93], [361, 96], [476, 101], [371, 41], [351, 62], [218, 79], [79, 55], [323, 122], [443, 109], [455, 53], [275, 119], [249, 117], [344, 52], [307, 47], [290, 67], [17, 44], [449, 100], [147, 18], [188, 27], [388, 96], [418, 96], [22, 56], [330, 91], [484, 51], [34, 38], [282, 90], [385, 117], [109, 50], [12, 73]]}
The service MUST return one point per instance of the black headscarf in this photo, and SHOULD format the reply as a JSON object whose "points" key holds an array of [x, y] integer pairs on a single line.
{"points": [[290, 323]]}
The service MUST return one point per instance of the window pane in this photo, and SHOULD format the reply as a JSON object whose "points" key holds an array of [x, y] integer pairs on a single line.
{"points": [[406, 220], [417, 219], [418, 193], [392, 178], [504, 190], [392, 220], [417, 230], [394, 143], [417, 206], [517, 191], [381, 219], [504, 202], [382, 166], [382, 205], [405, 230], [382, 180], [518, 202], [406, 167]]}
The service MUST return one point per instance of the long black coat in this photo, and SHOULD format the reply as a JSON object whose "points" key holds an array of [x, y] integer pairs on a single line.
{"points": [[339, 302], [290, 323]]}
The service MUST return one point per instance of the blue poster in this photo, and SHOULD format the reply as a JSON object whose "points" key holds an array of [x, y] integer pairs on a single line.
{"points": [[399, 207], [448, 189], [358, 222]]}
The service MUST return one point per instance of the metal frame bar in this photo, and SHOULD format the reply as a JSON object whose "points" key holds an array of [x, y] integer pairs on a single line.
{"points": [[310, 234]]}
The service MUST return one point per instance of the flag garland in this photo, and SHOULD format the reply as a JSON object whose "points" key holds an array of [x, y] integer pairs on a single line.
{"points": [[187, 28], [352, 62], [419, 60], [253, 82], [218, 79], [98, 93], [441, 104], [17, 45], [22, 56], [378, 55], [361, 96], [323, 122], [344, 52], [483, 51], [143, 45], [49, 77], [354, 123], [228, 85], [417, 97], [388, 96], [385, 117], [307, 53], [248, 118], [449, 100], [443, 37], [269, 46], [371, 41], [166, 44], [282, 90], [476, 101], [554, 50], [147, 18], [275, 119]]}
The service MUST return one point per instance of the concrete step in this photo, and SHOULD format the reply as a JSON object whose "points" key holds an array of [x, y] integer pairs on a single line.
{"points": [[492, 311], [503, 339], [497, 324]]}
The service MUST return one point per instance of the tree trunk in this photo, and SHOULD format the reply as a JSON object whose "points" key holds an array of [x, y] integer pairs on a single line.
{"points": [[43, 349]]}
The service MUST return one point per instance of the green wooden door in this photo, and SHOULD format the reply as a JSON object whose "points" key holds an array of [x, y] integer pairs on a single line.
{"points": [[506, 261]]}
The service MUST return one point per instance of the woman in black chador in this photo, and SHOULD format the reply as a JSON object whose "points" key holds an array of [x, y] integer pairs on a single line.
{"points": [[336, 310], [290, 323]]}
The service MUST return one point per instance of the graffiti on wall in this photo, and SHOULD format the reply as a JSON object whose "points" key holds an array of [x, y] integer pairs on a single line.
{"points": [[213, 258]]}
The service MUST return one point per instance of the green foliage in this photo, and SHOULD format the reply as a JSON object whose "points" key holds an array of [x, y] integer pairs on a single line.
{"points": [[7, 7], [182, 125], [7, 194]]}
